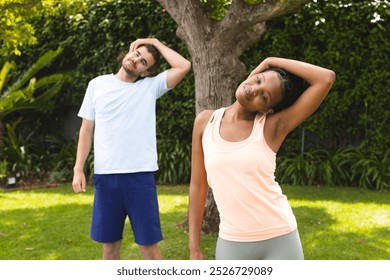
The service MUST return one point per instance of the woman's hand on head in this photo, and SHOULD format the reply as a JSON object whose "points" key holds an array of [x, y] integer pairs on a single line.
{"points": [[264, 65]]}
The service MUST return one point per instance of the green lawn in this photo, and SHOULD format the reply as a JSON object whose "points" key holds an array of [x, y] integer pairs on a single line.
{"points": [[53, 224]]}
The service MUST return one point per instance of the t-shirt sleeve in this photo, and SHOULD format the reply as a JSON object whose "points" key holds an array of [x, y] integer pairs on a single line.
{"points": [[162, 85], [87, 111]]}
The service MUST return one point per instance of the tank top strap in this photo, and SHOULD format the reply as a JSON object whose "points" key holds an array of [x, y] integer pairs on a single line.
{"points": [[259, 125], [260, 118], [215, 122], [217, 115]]}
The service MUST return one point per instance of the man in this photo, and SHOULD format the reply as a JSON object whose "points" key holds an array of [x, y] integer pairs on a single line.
{"points": [[118, 112]]}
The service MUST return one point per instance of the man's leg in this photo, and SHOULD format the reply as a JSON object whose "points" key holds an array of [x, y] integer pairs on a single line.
{"points": [[150, 252], [111, 251], [143, 212]]}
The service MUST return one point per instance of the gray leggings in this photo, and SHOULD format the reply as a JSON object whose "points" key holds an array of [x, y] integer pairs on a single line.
{"points": [[284, 247]]}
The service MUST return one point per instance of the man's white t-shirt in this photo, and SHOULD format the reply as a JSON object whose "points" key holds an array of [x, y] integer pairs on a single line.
{"points": [[125, 122]]}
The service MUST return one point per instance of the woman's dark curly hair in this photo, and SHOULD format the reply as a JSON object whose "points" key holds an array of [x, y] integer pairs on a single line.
{"points": [[292, 87]]}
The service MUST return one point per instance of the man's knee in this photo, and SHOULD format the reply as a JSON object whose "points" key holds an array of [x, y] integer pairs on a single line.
{"points": [[111, 251], [150, 252]]}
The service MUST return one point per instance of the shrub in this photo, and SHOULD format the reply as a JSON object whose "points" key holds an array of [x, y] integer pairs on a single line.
{"points": [[353, 166]]}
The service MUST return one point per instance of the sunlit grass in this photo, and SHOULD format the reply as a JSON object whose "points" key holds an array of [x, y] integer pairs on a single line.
{"points": [[345, 231], [334, 223], [342, 223]]}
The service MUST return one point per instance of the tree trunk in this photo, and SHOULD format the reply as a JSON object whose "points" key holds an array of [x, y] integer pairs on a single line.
{"points": [[215, 48], [211, 215]]}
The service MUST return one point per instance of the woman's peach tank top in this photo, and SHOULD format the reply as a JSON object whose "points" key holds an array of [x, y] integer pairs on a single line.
{"points": [[250, 202]]}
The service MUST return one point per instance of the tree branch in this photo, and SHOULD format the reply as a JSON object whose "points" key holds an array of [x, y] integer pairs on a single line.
{"points": [[245, 23], [193, 21], [249, 36], [242, 15], [19, 5], [185, 11]]}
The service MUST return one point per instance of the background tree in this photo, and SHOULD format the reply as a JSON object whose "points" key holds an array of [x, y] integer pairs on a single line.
{"points": [[16, 31]]}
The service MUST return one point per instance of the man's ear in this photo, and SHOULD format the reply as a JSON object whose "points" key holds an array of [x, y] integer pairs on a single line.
{"points": [[145, 74]]}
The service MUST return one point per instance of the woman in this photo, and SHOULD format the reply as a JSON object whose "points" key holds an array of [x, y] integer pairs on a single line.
{"points": [[234, 152]]}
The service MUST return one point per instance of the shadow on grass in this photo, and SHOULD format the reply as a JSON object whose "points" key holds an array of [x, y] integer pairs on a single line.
{"points": [[321, 241]]}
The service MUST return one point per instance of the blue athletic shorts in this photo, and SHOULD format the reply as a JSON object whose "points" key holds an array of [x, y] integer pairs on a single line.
{"points": [[120, 195]]}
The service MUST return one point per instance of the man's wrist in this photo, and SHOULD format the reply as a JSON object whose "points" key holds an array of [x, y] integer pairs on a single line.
{"points": [[78, 168]]}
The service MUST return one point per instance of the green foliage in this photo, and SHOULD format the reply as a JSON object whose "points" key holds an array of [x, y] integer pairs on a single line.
{"points": [[216, 8], [298, 169], [18, 152], [219, 8], [3, 170], [61, 156], [17, 31], [20, 95], [316, 167], [370, 168], [22, 152], [174, 160], [174, 134], [7, 67], [354, 166], [181, 107]]}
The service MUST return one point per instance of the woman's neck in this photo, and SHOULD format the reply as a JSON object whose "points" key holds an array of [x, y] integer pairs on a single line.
{"points": [[237, 112]]}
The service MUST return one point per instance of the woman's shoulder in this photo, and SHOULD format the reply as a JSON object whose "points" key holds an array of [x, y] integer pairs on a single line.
{"points": [[206, 114], [203, 118]]}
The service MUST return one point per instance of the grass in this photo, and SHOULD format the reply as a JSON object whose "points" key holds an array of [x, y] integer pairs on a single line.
{"points": [[53, 224]]}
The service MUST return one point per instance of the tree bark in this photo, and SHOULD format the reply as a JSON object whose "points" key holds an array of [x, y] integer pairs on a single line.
{"points": [[215, 48]]}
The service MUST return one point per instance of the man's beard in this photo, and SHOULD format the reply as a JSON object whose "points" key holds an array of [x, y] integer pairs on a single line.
{"points": [[130, 73]]}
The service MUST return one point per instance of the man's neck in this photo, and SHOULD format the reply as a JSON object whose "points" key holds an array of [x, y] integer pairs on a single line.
{"points": [[124, 77]]}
